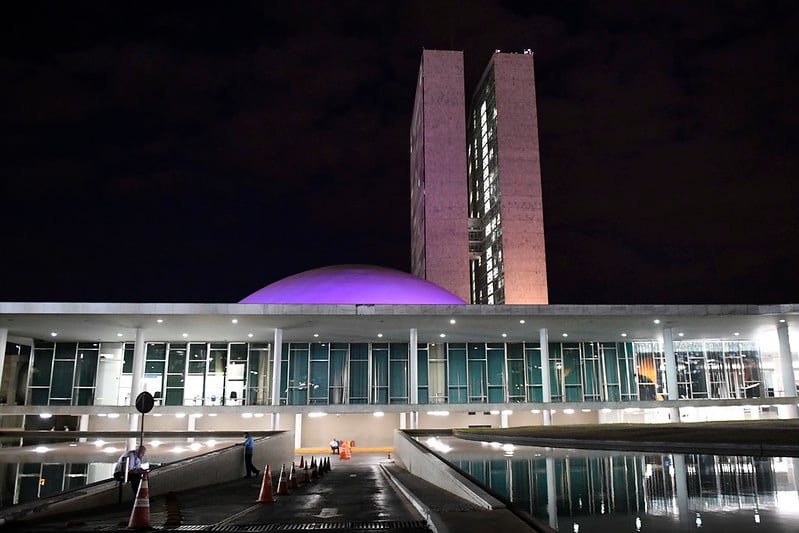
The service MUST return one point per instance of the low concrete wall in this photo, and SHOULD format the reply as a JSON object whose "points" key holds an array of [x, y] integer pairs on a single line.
{"points": [[212, 468], [424, 464]]}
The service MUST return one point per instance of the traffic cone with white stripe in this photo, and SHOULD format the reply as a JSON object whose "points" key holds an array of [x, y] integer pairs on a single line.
{"points": [[302, 462], [282, 484], [306, 474], [140, 516], [266, 495], [292, 483]]}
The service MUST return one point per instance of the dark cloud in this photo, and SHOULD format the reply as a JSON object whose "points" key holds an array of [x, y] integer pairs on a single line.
{"points": [[196, 152]]}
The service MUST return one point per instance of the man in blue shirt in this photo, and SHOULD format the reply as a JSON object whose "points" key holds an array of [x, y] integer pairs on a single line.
{"points": [[248, 449]]}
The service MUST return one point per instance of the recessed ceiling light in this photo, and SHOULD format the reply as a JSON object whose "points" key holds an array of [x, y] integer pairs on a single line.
{"points": [[504, 334], [782, 321], [235, 320], [185, 334], [315, 334], [119, 334], [623, 334], [521, 321], [565, 334], [656, 321], [380, 335], [736, 333], [681, 334], [53, 334], [451, 320], [250, 335], [442, 335], [160, 320]]}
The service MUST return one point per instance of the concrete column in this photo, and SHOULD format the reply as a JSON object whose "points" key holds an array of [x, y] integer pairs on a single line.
{"points": [[3, 341], [136, 383], [547, 392], [413, 364], [503, 420], [786, 369], [671, 364], [672, 389], [402, 423], [133, 425], [83, 425], [191, 425], [277, 355], [298, 430], [138, 366], [786, 361]]}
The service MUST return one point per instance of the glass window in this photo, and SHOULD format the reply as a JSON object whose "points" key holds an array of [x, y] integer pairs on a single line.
{"points": [[198, 360], [496, 373], [298, 374], [380, 373], [359, 373], [437, 373], [398, 372], [127, 365], [86, 373], [42, 366], [421, 373], [61, 388], [318, 384], [66, 351], [535, 387], [338, 372], [457, 373]]}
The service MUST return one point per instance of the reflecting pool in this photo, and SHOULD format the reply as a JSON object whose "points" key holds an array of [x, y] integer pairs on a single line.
{"points": [[583, 491]]}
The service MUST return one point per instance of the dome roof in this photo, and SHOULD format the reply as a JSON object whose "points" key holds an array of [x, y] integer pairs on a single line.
{"points": [[352, 284]]}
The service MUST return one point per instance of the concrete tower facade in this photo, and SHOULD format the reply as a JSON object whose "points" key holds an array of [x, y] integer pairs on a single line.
{"points": [[506, 217], [439, 210]]}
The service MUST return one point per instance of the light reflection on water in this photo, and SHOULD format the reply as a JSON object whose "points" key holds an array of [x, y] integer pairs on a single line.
{"points": [[583, 491]]}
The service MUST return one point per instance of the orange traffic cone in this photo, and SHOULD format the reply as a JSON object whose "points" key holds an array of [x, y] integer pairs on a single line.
{"points": [[266, 487], [345, 451], [320, 467], [306, 477], [292, 483], [140, 516], [327, 464], [282, 485], [302, 462]]}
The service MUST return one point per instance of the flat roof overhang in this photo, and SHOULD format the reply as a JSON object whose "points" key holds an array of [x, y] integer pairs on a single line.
{"points": [[117, 322]]}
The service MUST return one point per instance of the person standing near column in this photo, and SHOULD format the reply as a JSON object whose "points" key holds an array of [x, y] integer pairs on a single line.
{"points": [[248, 449]]}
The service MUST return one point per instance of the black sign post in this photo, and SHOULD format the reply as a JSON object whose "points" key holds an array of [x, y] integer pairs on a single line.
{"points": [[144, 404]]}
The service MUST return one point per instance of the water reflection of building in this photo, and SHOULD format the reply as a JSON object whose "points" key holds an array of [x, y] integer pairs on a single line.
{"points": [[673, 486]]}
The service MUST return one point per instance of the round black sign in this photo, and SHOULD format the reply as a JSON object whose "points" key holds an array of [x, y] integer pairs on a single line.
{"points": [[144, 402]]}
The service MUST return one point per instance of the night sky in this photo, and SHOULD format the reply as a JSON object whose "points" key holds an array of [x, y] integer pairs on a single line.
{"points": [[190, 152]]}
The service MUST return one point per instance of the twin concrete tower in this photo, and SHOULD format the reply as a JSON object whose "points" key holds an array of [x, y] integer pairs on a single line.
{"points": [[477, 219]]}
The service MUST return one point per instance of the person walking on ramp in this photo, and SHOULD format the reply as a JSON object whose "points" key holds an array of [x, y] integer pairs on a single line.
{"points": [[248, 449]]}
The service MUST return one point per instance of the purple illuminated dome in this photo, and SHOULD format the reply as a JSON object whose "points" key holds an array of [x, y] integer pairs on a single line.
{"points": [[352, 284]]}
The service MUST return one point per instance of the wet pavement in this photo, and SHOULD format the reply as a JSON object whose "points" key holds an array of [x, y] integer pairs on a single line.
{"points": [[367, 493]]}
